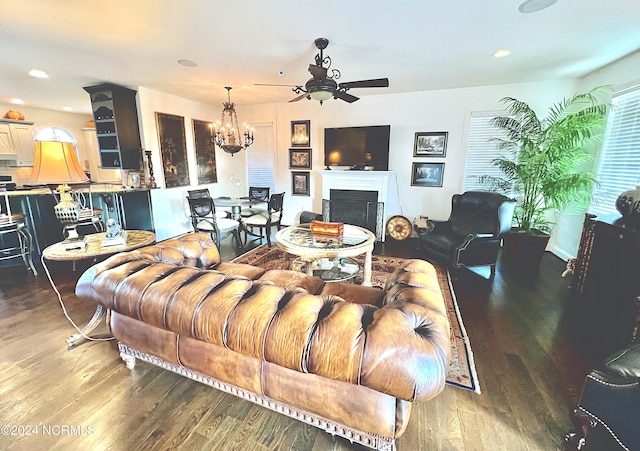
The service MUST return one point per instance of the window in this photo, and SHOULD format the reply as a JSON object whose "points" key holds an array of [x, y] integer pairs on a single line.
{"points": [[481, 150], [618, 168], [261, 158], [56, 134]]}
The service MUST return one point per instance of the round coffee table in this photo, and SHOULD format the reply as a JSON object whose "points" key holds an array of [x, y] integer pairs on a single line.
{"points": [[297, 240], [93, 250]]}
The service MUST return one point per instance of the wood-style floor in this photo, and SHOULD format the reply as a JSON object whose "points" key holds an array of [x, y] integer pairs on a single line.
{"points": [[524, 332]]}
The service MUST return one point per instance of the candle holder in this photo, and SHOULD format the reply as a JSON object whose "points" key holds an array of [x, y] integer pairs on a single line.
{"points": [[152, 180]]}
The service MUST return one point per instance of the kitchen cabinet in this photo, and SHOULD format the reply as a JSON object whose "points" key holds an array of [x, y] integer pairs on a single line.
{"points": [[17, 143], [116, 118]]}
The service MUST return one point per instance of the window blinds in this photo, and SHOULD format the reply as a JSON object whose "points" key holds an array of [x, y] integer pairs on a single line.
{"points": [[618, 168], [261, 158], [481, 150]]}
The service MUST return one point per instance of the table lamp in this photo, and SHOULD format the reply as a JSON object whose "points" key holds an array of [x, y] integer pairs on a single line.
{"points": [[56, 163]]}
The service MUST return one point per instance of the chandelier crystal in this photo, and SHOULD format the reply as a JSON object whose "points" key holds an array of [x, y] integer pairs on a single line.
{"points": [[226, 134]]}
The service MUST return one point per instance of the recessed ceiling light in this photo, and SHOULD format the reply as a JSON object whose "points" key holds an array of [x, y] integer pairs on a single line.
{"points": [[67, 108], [531, 6], [501, 53], [188, 63], [38, 73], [17, 101]]}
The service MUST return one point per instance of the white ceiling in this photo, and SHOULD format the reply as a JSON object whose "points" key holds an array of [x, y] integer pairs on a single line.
{"points": [[418, 44]]}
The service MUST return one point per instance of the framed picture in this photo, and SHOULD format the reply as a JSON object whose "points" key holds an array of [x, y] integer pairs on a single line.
{"points": [[173, 148], [300, 183], [427, 174], [299, 158], [300, 133], [432, 144], [205, 152]]}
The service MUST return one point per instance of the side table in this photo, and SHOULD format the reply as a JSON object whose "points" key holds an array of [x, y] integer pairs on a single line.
{"points": [[93, 251]]}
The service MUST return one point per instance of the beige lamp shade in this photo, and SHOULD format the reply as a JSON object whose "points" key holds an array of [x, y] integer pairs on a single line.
{"points": [[56, 163]]}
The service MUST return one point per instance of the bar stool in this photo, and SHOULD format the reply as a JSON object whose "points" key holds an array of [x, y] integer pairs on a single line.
{"points": [[15, 238]]}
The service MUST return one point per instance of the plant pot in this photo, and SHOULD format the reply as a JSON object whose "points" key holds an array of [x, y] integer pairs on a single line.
{"points": [[525, 248]]}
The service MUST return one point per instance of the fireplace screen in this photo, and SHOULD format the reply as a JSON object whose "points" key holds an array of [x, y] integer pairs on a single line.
{"points": [[360, 212]]}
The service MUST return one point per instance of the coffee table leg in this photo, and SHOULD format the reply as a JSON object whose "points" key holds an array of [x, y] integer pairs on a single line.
{"points": [[73, 340], [366, 282]]}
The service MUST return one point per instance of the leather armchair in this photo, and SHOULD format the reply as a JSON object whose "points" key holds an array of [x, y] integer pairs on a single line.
{"points": [[611, 398], [473, 233]]}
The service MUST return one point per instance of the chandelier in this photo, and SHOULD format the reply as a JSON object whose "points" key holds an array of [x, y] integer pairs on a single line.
{"points": [[226, 133]]}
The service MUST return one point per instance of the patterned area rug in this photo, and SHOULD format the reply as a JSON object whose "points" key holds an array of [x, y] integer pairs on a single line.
{"points": [[462, 372]]}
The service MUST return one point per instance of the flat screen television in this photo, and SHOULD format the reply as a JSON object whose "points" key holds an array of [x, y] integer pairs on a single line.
{"points": [[358, 147]]}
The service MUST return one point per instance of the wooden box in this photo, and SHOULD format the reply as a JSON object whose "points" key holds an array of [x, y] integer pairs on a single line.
{"points": [[327, 232]]}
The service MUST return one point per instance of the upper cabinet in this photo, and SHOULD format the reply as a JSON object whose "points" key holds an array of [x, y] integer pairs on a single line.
{"points": [[116, 119], [17, 143]]}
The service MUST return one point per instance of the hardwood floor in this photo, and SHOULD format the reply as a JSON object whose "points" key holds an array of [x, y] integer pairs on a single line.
{"points": [[525, 332]]}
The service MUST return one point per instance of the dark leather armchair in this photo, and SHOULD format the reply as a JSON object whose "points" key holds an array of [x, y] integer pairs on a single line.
{"points": [[611, 398], [472, 234]]}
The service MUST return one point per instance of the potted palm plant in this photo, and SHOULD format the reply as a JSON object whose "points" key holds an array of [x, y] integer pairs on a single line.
{"points": [[543, 164]]}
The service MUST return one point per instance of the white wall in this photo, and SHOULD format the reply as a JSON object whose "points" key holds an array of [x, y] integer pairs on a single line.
{"points": [[170, 209], [441, 110]]}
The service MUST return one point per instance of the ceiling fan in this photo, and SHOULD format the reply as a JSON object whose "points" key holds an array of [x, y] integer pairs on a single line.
{"points": [[322, 86]]}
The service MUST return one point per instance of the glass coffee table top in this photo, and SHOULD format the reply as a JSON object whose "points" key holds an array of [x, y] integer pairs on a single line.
{"points": [[300, 236]]}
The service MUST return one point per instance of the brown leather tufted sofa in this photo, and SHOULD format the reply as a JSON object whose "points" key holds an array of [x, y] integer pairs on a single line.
{"points": [[346, 358]]}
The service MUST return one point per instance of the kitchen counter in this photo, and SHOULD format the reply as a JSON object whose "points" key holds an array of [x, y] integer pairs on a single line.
{"points": [[130, 207], [93, 188]]}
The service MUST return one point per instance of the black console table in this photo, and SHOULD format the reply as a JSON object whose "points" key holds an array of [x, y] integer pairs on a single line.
{"points": [[607, 272]]}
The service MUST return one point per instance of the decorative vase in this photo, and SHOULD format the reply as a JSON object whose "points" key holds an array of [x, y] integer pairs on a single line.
{"points": [[628, 204]]}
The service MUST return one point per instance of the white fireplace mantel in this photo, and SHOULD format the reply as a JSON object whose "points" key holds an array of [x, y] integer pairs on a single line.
{"points": [[357, 180]]}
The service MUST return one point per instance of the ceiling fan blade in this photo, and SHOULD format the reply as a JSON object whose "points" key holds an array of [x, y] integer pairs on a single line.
{"points": [[375, 83], [319, 73], [344, 96], [300, 97]]}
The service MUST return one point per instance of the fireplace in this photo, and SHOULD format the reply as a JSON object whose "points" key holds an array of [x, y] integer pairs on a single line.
{"points": [[368, 188], [357, 207]]}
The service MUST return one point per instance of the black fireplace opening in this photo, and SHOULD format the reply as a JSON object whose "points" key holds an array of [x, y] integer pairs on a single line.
{"points": [[356, 207]]}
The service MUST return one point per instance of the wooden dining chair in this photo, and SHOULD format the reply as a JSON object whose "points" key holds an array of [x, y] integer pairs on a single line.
{"points": [[264, 221], [258, 198], [205, 219]]}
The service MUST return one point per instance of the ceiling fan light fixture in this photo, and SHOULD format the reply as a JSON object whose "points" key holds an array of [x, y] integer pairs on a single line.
{"points": [[321, 95]]}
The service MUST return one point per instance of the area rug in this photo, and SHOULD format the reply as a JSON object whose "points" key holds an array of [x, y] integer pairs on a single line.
{"points": [[462, 371]]}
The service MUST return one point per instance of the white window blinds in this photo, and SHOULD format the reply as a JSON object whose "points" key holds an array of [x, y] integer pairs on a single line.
{"points": [[261, 158], [618, 168], [481, 150]]}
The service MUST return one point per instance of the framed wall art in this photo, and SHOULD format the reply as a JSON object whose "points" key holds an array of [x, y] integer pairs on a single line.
{"points": [[300, 133], [300, 183], [205, 152], [299, 158], [430, 144], [173, 148], [427, 174]]}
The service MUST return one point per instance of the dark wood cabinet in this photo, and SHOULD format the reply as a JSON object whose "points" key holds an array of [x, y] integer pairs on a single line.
{"points": [[116, 118], [606, 277]]}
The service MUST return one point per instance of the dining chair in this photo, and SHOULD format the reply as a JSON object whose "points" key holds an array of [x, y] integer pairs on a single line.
{"points": [[203, 193], [205, 219], [271, 217], [257, 195]]}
